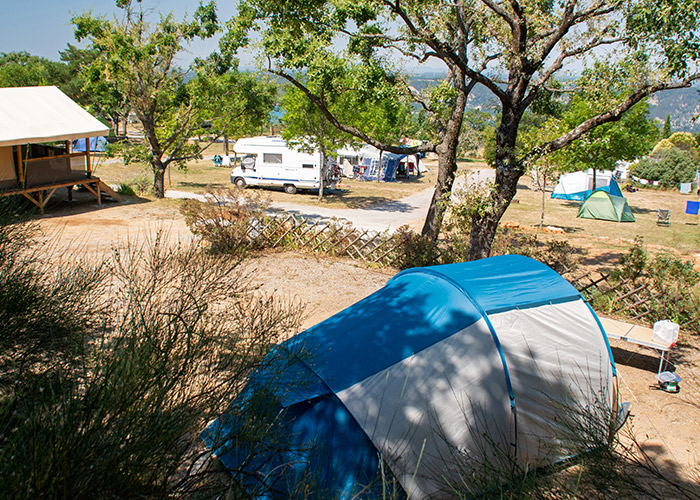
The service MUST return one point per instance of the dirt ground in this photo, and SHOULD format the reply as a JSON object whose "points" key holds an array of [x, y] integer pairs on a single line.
{"points": [[667, 425]]}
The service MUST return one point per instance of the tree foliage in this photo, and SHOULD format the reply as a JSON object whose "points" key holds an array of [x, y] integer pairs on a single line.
{"points": [[21, 69], [668, 167], [513, 48], [666, 131], [138, 60]]}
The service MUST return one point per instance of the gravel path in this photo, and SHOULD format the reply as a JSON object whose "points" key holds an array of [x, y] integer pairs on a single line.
{"points": [[386, 216]]}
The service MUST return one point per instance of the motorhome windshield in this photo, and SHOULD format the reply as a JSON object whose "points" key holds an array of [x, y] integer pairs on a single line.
{"points": [[248, 161]]}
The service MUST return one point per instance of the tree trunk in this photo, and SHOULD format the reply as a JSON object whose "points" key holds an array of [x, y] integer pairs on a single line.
{"points": [[226, 144], [149, 132], [322, 178], [159, 180], [447, 167], [508, 172], [544, 184]]}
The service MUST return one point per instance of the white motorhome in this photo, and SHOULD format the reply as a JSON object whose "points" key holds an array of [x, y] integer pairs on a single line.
{"points": [[268, 161]]}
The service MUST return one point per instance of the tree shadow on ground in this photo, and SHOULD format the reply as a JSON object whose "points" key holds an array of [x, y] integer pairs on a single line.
{"points": [[200, 185], [607, 259], [390, 206], [659, 475], [82, 202], [354, 201], [644, 211]]}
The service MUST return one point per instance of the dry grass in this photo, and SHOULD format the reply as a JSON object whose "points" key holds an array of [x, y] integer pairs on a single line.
{"points": [[683, 235], [202, 174]]}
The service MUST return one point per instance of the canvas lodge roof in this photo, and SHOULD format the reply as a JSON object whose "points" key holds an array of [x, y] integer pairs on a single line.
{"points": [[43, 114]]}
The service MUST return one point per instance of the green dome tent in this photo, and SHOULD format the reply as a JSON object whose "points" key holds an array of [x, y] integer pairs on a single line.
{"points": [[604, 206]]}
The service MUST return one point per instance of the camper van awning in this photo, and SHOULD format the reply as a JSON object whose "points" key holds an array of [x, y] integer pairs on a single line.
{"points": [[43, 114]]}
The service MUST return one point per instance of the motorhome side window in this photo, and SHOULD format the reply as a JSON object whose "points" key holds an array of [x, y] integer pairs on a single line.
{"points": [[272, 158], [307, 165]]}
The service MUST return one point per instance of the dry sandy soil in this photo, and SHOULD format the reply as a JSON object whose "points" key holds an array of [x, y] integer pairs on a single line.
{"points": [[667, 425]]}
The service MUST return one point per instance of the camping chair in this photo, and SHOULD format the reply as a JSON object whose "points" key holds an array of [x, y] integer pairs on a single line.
{"points": [[663, 217]]}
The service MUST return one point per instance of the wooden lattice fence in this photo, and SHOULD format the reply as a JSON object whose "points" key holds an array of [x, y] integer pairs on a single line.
{"points": [[332, 238], [637, 299]]}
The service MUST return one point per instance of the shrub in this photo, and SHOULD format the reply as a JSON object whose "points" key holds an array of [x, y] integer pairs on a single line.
{"points": [[674, 282], [126, 189], [227, 220], [110, 370], [561, 256], [135, 187], [669, 167], [414, 250]]}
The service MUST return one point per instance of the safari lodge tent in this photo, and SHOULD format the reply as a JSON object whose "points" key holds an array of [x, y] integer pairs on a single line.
{"points": [[443, 370], [578, 186], [604, 206], [37, 125]]}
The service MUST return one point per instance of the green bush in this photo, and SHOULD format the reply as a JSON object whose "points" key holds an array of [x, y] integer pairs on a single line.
{"points": [[414, 250], [227, 221], [561, 256], [674, 282], [668, 167]]}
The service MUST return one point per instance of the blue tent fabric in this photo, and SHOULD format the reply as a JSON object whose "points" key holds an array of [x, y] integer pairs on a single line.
{"points": [[417, 310], [311, 446], [389, 167], [614, 188], [96, 144]]}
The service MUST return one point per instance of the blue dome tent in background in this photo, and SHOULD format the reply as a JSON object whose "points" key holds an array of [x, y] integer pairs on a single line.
{"points": [[96, 144], [444, 368]]}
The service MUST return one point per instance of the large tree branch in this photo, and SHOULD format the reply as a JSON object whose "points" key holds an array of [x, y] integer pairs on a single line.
{"points": [[609, 116], [318, 102], [447, 54], [558, 63]]}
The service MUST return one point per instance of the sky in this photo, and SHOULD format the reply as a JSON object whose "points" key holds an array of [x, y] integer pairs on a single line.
{"points": [[42, 27]]}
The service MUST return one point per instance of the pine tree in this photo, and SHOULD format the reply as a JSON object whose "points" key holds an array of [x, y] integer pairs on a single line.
{"points": [[666, 132]]}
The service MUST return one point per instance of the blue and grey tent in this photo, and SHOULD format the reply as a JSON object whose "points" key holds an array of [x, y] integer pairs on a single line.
{"points": [[443, 370], [578, 186], [390, 165]]}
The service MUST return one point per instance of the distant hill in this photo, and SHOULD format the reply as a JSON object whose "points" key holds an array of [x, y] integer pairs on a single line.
{"points": [[682, 104]]}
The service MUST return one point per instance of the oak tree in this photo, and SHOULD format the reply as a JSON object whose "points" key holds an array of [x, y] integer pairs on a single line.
{"points": [[514, 48]]}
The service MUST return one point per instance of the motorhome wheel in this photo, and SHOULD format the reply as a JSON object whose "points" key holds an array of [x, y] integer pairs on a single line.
{"points": [[290, 188], [240, 182]]}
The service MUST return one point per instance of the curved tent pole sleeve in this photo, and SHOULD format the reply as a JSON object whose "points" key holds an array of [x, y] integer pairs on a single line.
{"points": [[494, 336], [483, 315]]}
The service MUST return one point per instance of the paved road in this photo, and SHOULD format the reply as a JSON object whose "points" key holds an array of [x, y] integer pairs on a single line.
{"points": [[386, 216]]}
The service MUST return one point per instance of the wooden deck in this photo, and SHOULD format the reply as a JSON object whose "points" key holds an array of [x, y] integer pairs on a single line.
{"points": [[40, 195]]}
